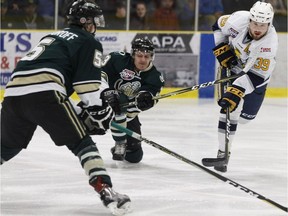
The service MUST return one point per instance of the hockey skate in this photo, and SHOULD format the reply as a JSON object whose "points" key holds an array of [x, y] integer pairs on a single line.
{"points": [[118, 204], [118, 151]]}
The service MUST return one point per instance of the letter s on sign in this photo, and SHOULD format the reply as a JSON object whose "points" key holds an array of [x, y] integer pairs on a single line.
{"points": [[24, 44]]}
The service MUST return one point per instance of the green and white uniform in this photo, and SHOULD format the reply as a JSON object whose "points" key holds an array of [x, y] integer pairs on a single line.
{"points": [[120, 72], [38, 95], [64, 61]]}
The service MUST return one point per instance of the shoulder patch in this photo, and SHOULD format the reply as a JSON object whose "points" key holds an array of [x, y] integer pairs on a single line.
{"points": [[127, 74], [233, 32], [224, 20]]}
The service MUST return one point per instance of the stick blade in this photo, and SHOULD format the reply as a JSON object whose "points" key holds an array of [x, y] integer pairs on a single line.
{"points": [[211, 162]]}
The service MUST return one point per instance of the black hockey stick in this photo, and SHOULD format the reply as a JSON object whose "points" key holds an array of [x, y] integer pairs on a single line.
{"points": [[227, 135], [182, 158], [209, 162], [188, 89], [222, 161], [228, 123]]}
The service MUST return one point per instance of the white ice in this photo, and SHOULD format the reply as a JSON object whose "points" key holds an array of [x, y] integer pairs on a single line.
{"points": [[45, 180]]}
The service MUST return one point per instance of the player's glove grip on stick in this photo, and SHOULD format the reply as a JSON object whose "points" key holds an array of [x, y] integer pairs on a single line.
{"points": [[96, 119], [144, 100], [112, 97], [232, 97], [224, 55]]}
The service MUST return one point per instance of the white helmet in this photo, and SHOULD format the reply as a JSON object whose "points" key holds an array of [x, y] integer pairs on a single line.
{"points": [[262, 12]]}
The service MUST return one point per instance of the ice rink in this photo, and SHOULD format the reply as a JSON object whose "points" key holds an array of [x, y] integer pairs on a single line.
{"points": [[45, 180]]}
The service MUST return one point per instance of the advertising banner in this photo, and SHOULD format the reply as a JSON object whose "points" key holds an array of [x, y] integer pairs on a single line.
{"points": [[176, 54]]}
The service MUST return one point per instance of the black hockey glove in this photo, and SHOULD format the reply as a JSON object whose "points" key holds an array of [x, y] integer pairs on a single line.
{"points": [[224, 55], [144, 100], [112, 97], [231, 97], [96, 119]]}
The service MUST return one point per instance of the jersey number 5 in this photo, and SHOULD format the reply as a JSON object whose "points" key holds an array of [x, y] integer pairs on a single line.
{"points": [[38, 50]]}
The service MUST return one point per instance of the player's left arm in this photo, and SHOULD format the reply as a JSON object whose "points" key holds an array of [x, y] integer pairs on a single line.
{"points": [[257, 72]]}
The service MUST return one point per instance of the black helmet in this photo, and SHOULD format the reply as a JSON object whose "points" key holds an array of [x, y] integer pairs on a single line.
{"points": [[80, 10], [143, 45]]}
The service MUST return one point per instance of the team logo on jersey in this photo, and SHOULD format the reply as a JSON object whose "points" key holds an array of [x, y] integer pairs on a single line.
{"points": [[233, 32], [130, 89], [265, 49], [224, 20], [127, 74]]}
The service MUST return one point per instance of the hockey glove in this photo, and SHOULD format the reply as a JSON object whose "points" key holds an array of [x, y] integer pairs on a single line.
{"points": [[96, 119], [144, 100], [224, 55], [112, 97], [232, 97]]}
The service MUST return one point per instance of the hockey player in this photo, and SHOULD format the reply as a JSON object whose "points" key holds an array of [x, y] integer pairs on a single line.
{"points": [[37, 95], [246, 42], [135, 78]]}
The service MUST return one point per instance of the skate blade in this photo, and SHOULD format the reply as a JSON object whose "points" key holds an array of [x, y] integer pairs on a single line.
{"points": [[124, 209]]}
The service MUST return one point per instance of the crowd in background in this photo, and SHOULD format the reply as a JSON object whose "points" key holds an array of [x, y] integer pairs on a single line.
{"points": [[170, 15]]}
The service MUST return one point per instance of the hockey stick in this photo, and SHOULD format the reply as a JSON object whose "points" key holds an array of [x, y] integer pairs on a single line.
{"points": [[227, 135], [222, 161], [228, 123], [209, 162], [182, 158], [192, 88]]}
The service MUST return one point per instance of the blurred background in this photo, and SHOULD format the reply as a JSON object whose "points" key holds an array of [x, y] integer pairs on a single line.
{"points": [[167, 15], [181, 31]]}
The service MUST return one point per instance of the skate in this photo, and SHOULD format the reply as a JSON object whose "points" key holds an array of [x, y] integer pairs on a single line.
{"points": [[118, 151], [118, 204]]}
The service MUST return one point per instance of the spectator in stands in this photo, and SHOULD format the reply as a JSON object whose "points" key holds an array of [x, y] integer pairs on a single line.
{"points": [[209, 12], [165, 16], [107, 6], [30, 16], [230, 6], [8, 19], [139, 19], [187, 15], [280, 14], [46, 9], [13, 6], [118, 20]]}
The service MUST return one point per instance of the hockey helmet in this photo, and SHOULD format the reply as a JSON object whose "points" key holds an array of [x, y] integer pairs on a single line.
{"points": [[143, 45], [80, 10], [262, 12]]}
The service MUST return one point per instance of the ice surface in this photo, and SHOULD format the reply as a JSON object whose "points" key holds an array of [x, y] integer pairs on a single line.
{"points": [[46, 180]]}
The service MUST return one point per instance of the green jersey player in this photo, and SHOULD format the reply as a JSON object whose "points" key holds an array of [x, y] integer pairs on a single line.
{"points": [[37, 95], [135, 78]]}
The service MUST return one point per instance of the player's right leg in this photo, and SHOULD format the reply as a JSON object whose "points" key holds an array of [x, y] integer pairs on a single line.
{"points": [[65, 128], [134, 151]]}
